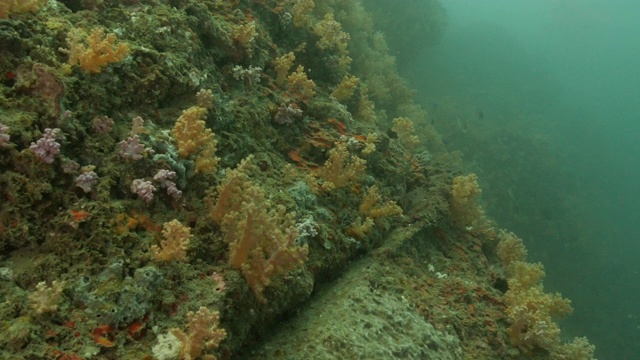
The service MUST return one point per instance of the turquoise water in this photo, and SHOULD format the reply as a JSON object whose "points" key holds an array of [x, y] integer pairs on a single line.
{"points": [[543, 99]]}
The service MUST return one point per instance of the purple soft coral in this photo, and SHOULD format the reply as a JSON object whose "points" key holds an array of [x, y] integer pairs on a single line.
{"points": [[46, 148], [144, 189]]}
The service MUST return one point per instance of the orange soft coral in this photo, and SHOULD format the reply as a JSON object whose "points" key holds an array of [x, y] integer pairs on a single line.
{"points": [[95, 51], [9, 7]]}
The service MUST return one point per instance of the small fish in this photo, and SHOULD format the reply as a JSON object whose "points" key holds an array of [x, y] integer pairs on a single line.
{"points": [[480, 114], [462, 124], [79, 215], [100, 340], [339, 125], [136, 330], [136, 327]]}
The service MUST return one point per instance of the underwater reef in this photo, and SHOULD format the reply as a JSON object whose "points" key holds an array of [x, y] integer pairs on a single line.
{"points": [[209, 179]]}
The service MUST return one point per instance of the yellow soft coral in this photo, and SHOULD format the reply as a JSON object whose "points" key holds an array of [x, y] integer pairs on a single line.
{"points": [[95, 51], [578, 349], [45, 299], [9, 7], [244, 35], [175, 243], [193, 137], [373, 209], [261, 236], [510, 248], [300, 12], [370, 143], [283, 64], [262, 241], [366, 110], [203, 333], [300, 86], [333, 39], [345, 89], [465, 211], [404, 128], [204, 98], [532, 313], [232, 190], [372, 205], [331, 35], [341, 168], [359, 229]]}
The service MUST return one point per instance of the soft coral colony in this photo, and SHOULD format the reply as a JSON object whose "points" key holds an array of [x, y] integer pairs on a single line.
{"points": [[176, 174]]}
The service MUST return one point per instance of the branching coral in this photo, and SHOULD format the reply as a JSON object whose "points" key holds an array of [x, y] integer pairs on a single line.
{"points": [[359, 229], [403, 127], [261, 236], [366, 111], [300, 12], [193, 137], [578, 349], [204, 99], [341, 168], [95, 51], [370, 143], [531, 311], [300, 86], [345, 89], [231, 192], [203, 333], [510, 249], [9, 7], [331, 35], [373, 209], [46, 298], [244, 35], [333, 40], [282, 65], [175, 243], [262, 241], [465, 211]]}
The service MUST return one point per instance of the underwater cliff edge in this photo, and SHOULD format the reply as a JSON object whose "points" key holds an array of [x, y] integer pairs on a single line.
{"points": [[179, 177]]}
